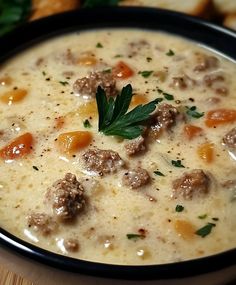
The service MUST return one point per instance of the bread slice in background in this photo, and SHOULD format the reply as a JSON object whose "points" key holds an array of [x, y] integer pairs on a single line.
{"points": [[192, 7], [43, 8], [230, 21], [225, 6]]}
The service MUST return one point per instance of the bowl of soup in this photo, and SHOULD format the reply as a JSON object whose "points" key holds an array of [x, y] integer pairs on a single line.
{"points": [[118, 149]]}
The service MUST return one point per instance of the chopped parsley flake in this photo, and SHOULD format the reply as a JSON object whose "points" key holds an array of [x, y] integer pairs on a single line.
{"points": [[206, 230], [99, 45], [87, 124], [135, 236], [158, 173], [179, 208], [215, 219], [192, 111], [118, 55], [177, 163], [202, 217], [159, 99], [44, 73], [168, 96], [64, 83], [146, 73], [170, 52], [159, 91]]}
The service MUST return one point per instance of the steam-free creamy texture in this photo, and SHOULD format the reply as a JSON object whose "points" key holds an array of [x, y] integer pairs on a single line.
{"points": [[155, 220]]}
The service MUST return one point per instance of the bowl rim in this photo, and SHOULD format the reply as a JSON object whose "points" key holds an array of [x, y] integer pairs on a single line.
{"points": [[155, 19]]}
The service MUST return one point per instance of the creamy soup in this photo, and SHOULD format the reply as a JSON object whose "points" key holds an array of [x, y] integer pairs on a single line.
{"points": [[154, 187]]}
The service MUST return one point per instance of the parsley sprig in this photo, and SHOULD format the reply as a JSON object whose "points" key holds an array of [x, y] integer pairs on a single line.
{"points": [[113, 117]]}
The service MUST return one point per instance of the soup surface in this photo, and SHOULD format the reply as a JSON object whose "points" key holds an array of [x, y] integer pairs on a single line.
{"points": [[153, 187]]}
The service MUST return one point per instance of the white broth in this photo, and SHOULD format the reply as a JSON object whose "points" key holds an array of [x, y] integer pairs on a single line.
{"points": [[168, 196]]}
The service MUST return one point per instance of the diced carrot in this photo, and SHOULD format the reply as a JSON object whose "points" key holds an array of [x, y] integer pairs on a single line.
{"points": [[185, 229], [87, 60], [122, 70], [5, 80], [206, 152], [16, 95], [73, 141], [21, 146], [138, 99], [220, 117], [59, 122], [192, 131]]}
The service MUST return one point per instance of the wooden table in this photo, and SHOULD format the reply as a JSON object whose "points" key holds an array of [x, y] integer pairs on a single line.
{"points": [[9, 278]]}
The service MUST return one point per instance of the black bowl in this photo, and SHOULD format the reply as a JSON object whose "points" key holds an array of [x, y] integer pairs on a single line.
{"points": [[208, 34]]}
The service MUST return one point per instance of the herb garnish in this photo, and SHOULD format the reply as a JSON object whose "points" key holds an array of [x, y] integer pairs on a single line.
{"points": [[113, 119], [63, 83], [168, 96], [94, 3], [145, 73], [135, 236], [177, 163], [87, 124], [158, 173], [215, 219], [12, 13], [159, 99], [170, 52], [99, 45], [179, 208], [192, 111], [202, 216], [206, 230], [44, 73]]}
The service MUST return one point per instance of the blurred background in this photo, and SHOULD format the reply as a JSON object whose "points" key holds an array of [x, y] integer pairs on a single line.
{"points": [[16, 12]]}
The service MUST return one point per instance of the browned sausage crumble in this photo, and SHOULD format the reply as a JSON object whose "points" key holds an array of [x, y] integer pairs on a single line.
{"points": [[135, 146], [42, 223], [230, 139], [67, 197], [87, 86], [102, 161], [136, 178], [191, 184]]}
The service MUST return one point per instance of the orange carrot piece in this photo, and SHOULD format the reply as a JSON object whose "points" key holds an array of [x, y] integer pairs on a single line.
{"points": [[73, 141], [219, 117], [21, 146], [122, 70], [13, 96], [206, 152], [138, 99], [192, 131], [185, 229]]}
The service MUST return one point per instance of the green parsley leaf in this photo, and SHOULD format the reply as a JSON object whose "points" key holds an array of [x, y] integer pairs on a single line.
{"points": [[87, 124], [135, 236], [113, 119], [179, 208], [177, 163], [99, 45], [206, 230], [63, 83], [145, 73], [159, 99], [158, 173], [168, 96], [94, 3], [13, 13], [170, 52], [192, 111], [202, 217]]}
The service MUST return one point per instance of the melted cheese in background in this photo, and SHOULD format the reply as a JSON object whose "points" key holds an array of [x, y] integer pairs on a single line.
{"points": [[113, 211]]}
